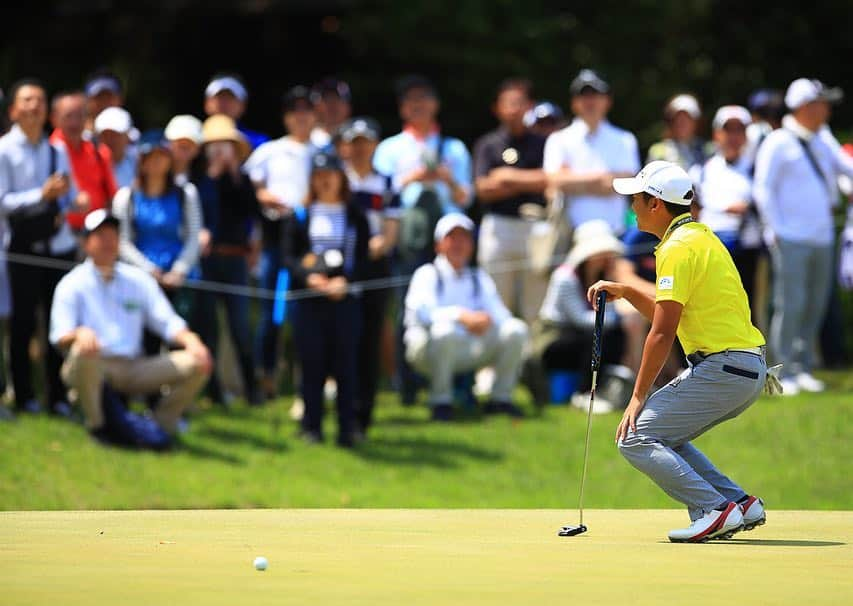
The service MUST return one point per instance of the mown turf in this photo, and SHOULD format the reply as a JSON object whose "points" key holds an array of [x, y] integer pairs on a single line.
{"points": [[795, 452], [435, 557]]}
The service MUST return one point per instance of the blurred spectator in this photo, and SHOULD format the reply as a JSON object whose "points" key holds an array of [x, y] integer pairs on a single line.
{"points": [[582, 159], [230, 208], [103, 89], [114, 129], [725, 189], [509, 177], [374, 195], [563, 331], [35, 191], [325, 248], [333, 103], [681, 144], [160, 221], [456, 322], [796, 174], [432, 171], [90, 166], [767, 108], [98, 316], [280, 170], [544, 118], [227, 94], [183, 133]]}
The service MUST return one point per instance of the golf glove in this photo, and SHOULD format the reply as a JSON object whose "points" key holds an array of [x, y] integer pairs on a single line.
{"points": [[772, 385]]}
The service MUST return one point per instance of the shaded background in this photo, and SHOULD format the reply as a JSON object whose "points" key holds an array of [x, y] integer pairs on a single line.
{"points": [[649, 49]]}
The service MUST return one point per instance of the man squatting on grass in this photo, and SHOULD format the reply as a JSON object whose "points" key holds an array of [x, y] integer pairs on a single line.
{"points": [[700, 298]]}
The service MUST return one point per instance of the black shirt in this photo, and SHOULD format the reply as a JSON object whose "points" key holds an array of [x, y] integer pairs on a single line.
{"points": [[500, 148], [229, 208]]}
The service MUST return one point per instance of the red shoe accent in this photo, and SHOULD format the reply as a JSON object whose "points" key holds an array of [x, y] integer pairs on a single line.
{"points": [[716, 526]]}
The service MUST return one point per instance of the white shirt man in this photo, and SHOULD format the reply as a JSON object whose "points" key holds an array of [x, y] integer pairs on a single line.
{"points": [[456, 322], [796, 173], [582, 159]]}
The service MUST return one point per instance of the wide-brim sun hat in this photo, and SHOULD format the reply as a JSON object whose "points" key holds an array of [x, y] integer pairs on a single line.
{"points": [[593, 238], [220, 127]]}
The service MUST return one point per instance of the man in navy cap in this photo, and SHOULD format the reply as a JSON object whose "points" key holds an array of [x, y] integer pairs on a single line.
{"points": [[333, 104], [103, 89]]}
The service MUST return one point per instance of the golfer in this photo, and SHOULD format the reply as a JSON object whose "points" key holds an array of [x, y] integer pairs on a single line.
{"points": [[699, 298]]}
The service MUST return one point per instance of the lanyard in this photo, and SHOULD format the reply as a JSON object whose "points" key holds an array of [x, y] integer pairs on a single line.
{"points": [[677, 224]]}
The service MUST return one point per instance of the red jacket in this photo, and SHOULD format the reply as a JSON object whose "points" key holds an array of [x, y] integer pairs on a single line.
{"points": [[92, 172]]}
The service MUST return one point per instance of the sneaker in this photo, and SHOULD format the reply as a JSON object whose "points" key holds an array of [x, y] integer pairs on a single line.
{"points": [[713, 525], [442, 412], [753, 512], [31, 406], [790, 387], [807, 382], [600, 406], [62, 409]]}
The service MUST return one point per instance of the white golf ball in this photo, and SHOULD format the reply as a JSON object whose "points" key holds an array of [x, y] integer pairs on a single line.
{"points": [[260, 563]]}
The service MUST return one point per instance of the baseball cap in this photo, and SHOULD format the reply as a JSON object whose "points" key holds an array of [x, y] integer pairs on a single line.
{"points": [[450, 222], [731, 112], [97, 218], [360, 127], [412, 82], [295, 96], [334, 86], [229, 83], [152, 140], [115, 119], [684, 103], [660, 179], [184, 126], [803, 90], [589, 79], [102, 83], [544, 110], [326, 161]]}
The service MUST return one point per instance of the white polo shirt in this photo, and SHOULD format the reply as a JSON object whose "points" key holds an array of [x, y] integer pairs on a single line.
{"points": [[608, 149], [720, 185], [117, 310], [282, 166], [430, 299]]}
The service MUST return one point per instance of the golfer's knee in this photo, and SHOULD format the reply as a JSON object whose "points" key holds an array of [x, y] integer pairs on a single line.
{"points": [[631, 447]]}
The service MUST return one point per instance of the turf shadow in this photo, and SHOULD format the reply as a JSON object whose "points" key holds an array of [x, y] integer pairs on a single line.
{"points": [[784, 543], [202, 452], [231, 436], [421, 451]]}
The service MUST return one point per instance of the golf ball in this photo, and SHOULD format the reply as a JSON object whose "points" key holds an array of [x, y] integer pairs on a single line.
{"points": [[260, 563]]}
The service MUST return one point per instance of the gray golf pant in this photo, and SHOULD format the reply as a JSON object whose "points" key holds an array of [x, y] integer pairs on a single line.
{"points": [[706, 394], [802, 275]]}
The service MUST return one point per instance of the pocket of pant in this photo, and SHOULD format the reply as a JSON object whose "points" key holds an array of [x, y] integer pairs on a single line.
{"points": [[734, 370]]}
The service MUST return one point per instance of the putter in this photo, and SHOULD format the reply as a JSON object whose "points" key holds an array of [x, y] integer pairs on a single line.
{"points": [[597, 339]]}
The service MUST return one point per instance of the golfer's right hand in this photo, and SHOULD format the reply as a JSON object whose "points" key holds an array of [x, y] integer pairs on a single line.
{"points": [[614, 291]]}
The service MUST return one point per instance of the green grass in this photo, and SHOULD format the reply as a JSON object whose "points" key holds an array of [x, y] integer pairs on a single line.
{"points": [[795, 452]]}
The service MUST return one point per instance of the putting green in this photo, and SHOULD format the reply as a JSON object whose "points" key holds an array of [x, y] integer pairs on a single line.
{"points": [[405, 557]]}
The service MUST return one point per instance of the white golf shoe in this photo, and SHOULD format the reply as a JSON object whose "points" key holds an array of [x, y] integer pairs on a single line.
{"points": [[713, 525], [753, 513], [807, 382], [790, 387]]}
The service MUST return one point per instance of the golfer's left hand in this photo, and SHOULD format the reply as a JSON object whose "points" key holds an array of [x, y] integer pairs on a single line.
{"points": [[629, 418], [614, 291]]}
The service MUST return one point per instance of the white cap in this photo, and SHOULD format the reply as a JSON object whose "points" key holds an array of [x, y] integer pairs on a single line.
{"points": [[184, 127], [660, 179], [450, 222], [684, 103], [731, 112], [217, 85], [96, 218], [803, 90], [115, 119], [593, 238]]}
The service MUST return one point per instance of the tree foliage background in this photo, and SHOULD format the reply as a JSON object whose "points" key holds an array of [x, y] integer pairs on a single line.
{"points": [[649, 49]]}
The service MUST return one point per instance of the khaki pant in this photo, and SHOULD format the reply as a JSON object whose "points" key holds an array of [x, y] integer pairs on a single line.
{"points": [[176, 375], [503, 254], [445, 349]]}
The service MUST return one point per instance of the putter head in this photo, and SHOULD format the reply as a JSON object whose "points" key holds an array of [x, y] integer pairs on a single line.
{"points": [[570, 531]]}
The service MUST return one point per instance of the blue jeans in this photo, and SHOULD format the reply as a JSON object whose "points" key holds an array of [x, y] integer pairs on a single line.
{"points": [[266, 337]]}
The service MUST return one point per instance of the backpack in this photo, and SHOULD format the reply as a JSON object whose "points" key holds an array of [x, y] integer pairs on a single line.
{"points": [[35, 222], [417, 223]]}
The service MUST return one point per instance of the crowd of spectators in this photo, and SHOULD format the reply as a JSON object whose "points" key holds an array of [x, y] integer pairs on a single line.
{"points": [[118, 246]]}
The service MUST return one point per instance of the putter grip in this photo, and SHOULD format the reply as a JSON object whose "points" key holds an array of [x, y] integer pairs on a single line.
{"points": [[597, 333]]}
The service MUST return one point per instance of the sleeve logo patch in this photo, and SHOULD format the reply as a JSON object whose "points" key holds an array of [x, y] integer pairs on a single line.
{"points": [[665, 283]]}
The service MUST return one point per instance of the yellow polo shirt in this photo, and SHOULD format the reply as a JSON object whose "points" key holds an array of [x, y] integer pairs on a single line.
{"points": [[695, 269]]}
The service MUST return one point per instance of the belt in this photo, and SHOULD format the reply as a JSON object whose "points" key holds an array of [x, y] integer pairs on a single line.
{"points": [[698, 356], [231, 250]]}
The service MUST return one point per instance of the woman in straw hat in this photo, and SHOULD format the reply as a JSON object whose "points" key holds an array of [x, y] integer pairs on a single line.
{"points": [[230, 209]]}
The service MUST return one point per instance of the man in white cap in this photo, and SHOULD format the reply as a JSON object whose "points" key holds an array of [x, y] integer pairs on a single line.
{"points": [[700, 298], [227, 94], [456, 322], [796, 173], [114, 129], [725, 190]]}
